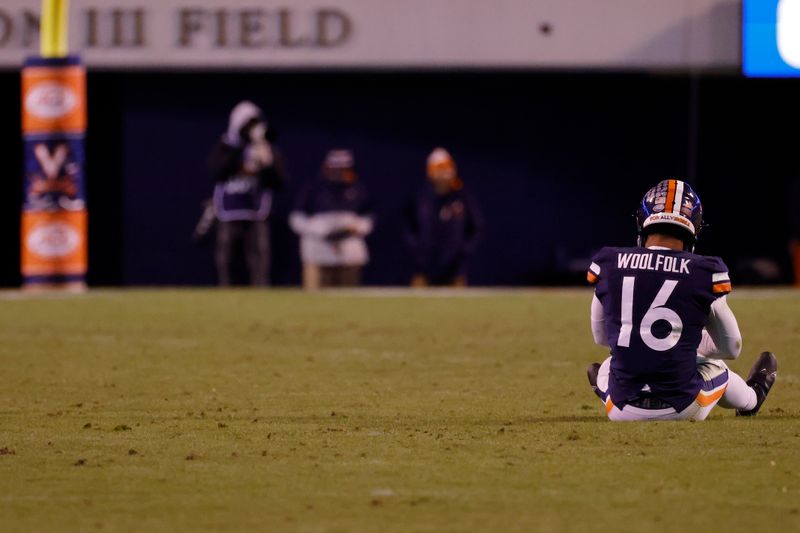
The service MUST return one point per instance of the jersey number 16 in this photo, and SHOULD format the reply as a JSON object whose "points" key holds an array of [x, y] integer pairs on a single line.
{"points": [[656, 312]]}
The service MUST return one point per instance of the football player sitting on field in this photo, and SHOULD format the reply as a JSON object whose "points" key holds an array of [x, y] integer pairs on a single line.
{"points": [[663, 311]]}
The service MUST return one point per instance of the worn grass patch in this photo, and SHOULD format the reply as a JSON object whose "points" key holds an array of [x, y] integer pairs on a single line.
{"points": [[238, 410]]}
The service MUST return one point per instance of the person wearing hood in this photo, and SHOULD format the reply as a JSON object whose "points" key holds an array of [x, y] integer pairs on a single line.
{"points": [[247, 168], [444, 226], [332, 216]]}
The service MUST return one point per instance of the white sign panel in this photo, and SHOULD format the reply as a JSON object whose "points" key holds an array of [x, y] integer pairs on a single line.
{"points": [[386, 33]]}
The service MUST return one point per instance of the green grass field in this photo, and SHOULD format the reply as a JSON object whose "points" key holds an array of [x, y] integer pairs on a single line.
{"points": [[204, 410]]}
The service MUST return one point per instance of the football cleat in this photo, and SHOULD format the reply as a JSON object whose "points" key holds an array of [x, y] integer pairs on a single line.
{"points": [[591, 373], [671, 206], [761, 379]]}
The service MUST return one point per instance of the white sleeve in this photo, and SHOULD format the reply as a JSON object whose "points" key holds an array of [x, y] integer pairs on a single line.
{"points": [[598, 323], [721, 338], [305, 225], [363, 225]]}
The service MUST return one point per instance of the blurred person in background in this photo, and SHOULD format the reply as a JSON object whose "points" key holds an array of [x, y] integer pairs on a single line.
{"points": [[332, 216], [247, 168], [444, 225]]}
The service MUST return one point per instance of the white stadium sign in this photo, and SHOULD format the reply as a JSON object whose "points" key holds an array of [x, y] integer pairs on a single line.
{"points": [[373, 33]]}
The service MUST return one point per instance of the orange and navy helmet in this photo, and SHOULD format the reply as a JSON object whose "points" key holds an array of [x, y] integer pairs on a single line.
{"points": [[671, 206]]}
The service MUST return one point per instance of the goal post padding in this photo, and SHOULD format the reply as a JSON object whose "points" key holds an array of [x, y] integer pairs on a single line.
{"points": [[54, 251]]}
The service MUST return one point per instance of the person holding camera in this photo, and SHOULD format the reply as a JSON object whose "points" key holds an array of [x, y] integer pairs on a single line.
{"points": [[247, 168]]}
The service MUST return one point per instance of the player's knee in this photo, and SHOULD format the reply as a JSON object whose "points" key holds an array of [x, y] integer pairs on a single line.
{"points": [[710, 368]]}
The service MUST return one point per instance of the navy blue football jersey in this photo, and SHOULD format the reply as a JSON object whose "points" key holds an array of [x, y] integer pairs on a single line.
{"points": [[656, 304]]}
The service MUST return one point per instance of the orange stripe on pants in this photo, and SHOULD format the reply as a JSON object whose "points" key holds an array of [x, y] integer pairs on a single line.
{"points": [[609, 405], [707, 399]]}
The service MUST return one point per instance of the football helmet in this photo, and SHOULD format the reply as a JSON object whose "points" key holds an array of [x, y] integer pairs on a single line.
{"points": [[673, 206]]}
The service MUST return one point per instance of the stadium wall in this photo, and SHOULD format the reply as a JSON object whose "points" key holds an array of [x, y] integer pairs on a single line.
{"points": [[619, 34], [558, 160]]}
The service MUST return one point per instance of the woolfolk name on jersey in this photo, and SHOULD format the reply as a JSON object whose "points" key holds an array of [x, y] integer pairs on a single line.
{"points": [[650, 261]]}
